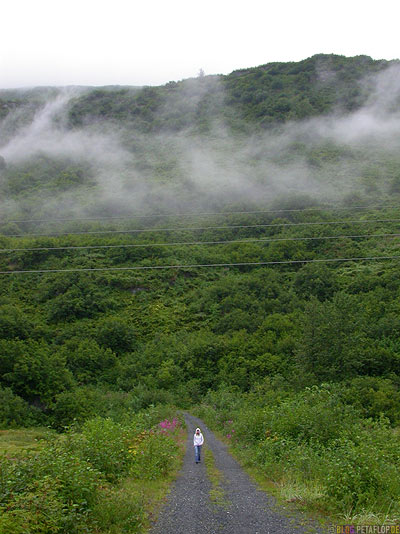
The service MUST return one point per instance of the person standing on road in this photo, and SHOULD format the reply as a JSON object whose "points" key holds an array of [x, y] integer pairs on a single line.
{"points": [[198, 441]]}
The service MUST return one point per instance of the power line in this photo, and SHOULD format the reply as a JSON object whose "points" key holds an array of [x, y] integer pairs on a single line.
{"points": [[196, 214], [195, 266], [193, 243], [200, 228]]}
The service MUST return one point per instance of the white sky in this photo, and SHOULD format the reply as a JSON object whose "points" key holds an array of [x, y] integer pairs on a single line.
{"points": [[139, 42]]}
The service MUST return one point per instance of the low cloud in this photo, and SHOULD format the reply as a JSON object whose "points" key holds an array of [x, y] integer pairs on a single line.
{"points": [[324, 157]]}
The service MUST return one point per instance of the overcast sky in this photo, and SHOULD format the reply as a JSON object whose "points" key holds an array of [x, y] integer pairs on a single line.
{"points": [[139, 42]]}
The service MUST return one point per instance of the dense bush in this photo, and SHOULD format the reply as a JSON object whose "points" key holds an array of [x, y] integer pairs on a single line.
{"points": [[15, 412], [103, 443], [373, 397], [33, 370], [52, 489], [86, 402], [66, 486], [257, 341], [313, 445]]}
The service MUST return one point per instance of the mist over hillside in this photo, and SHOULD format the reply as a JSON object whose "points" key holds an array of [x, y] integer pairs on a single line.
{"points": [[323, 129], [224, 244]]}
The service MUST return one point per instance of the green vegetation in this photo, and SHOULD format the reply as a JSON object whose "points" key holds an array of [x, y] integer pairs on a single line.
{"points": [[18, 440], [279, 128], [316, 449], [301, 353], [217, 493], [105, 477], [260, 96], [309, 353]]}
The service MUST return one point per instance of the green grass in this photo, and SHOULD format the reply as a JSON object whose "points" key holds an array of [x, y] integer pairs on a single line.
{"points": [[217, 493], [17, 441], [133, 505], [155, 491], [66, 493]]}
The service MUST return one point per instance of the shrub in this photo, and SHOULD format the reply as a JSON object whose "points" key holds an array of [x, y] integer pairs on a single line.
{"points": [[104, 444], [50, 491], [360, 475], [153, 455], [120, 510], [116, 334], [88, 361], [14, 411], [39, 510], [313, 415], [373, 397], [32, 370], [69, 485], [76, 405], [314, 444]]}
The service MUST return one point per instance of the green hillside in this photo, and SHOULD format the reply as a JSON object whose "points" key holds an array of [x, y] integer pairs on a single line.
{"points": [[322, 127], [257, 97], [226, 242]]}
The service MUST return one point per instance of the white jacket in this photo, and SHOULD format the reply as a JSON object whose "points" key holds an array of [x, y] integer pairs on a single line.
{"points": [[198, 439]]}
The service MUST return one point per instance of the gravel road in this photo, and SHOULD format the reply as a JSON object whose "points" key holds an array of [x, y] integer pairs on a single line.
{"points": [[243, 510]]}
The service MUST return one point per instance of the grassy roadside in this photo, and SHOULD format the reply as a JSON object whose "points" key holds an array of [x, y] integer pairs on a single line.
{"points": [[314, 453], [217, 493], [133, 505], [16, 441], [156, 491], [288, 495], [104, 478]]}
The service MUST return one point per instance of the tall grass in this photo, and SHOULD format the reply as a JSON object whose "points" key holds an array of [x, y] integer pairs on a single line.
{"points": [[91, 479], [316, 450]]}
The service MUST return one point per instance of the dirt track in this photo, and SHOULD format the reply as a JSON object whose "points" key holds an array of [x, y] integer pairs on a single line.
{"points": [[243, 510]]}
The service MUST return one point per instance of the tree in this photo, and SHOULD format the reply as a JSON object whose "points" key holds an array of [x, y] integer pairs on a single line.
{"points": [[116, 334], [332, 341], [87, 360], [315, 280], [14, 323], [33, 370]]}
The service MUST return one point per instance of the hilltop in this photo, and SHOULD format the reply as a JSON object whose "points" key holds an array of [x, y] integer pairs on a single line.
{"points": [[323, 127], [262, 96]]}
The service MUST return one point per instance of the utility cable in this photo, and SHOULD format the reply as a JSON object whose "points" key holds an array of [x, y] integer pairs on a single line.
{"points": [[197, 214], [196, 266], [195, 243], [201, 228]]}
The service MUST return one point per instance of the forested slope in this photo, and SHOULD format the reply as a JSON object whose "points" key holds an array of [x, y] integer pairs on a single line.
{"points": [[176, 332], [232, 239]]}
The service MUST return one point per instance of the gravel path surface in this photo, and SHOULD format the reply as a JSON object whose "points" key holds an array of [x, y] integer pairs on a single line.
{"points": [[244, 510]]}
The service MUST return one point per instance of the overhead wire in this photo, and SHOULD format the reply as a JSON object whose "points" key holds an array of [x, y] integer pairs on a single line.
{"points": [[196, 214], [201, 228], [195, 243], [195, 266]]}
